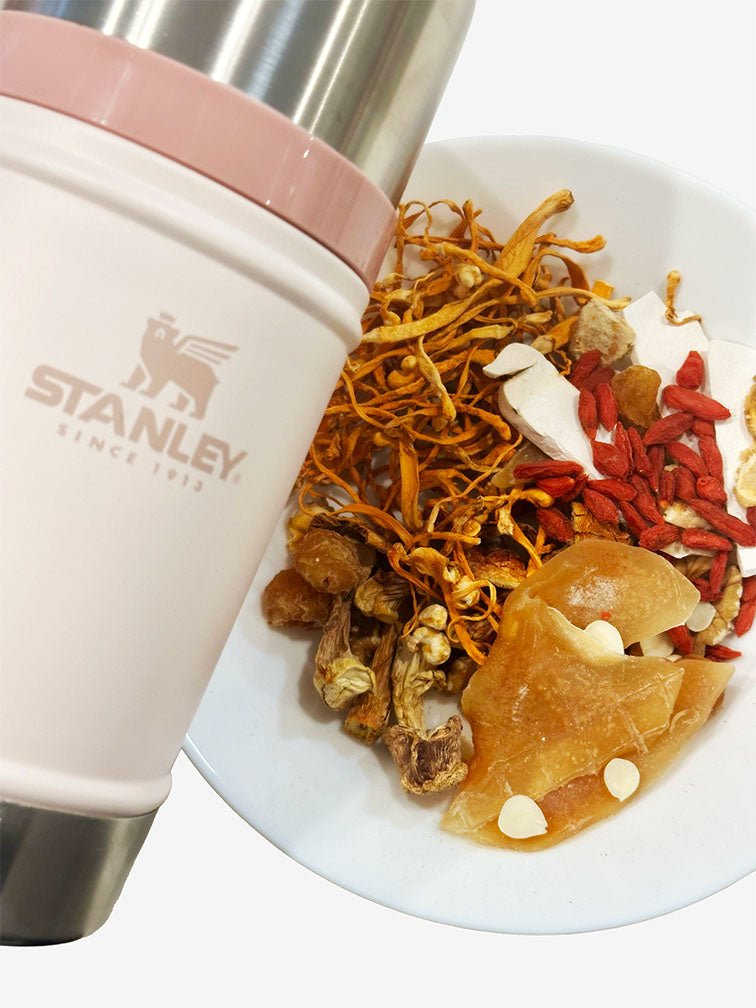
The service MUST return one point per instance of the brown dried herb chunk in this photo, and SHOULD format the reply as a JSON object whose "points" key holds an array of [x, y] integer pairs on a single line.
{"points": [[289, 600], [331, 562], [636, 390]]}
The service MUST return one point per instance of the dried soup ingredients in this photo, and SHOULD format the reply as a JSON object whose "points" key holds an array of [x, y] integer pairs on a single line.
{"points": [[636, 390], [428, 762], [382, 596], [622, 778], [289, 600], [339, 674], [521, 818], [749, 410], [332, 562], [600, 328], [369, 713], [726, 606]]}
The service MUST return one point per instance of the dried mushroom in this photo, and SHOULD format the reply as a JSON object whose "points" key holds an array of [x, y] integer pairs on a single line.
{"points": [[600, 328], [332, 562], [369, 713], [430, 762], [289, 600], [339, 674], [381, 596], [427, 760]]}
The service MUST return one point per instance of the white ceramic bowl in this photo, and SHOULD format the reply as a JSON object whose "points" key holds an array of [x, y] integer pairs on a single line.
{"points": [[266, 743]]}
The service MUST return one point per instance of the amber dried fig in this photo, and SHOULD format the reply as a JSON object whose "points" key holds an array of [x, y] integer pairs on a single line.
{"points": [[331, 562], [289, 600], [636, 390]]}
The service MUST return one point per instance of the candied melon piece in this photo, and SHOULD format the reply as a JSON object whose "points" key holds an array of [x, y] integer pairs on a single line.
{"points": [[551, 705], [637, 591], [586, 800]]}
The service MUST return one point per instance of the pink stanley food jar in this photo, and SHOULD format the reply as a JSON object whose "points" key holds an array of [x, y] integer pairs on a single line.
{"points": [[195, 198]]}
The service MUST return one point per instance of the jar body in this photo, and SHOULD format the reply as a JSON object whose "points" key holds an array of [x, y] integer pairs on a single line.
{"points": [[168, 349]]}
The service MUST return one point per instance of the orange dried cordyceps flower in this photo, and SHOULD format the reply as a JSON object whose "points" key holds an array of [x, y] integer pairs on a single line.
{"points": [[411, 438]]}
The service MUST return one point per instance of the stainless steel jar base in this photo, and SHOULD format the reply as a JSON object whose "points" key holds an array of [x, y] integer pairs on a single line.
{"points": [[60, 874]]}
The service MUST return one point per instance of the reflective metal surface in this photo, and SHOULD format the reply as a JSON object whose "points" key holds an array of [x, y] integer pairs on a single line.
{"points": [[364, 76], [60, 874]]}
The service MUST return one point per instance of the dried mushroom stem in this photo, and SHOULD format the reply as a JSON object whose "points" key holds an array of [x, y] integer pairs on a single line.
{"points": [[430, 762], [369, 713], [339, 675], [427, 760]]}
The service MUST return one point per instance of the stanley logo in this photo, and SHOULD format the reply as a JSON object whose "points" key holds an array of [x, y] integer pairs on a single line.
{"points": [[182, 364]]}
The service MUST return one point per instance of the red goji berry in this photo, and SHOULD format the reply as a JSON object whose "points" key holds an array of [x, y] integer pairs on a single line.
{"points": [[718, 652], [555, 524], [584, 365], [644, 502], [682, 639], [588, 412], [712, 457], [542, 470], [608, 413], [744, 619], [751, 516], [658, 536], [667, 488], [633, 520], [616, 489], [749, 588], [711, 489], [656, 458], [717, 572], [641, 461], [667, 428], [691, 373], [601, 507], [580, 482], [704, 589], [724, 522], [610, 460], [702, 428], [621, 440], [679, 452], [689, 401], [556, 486], [685, 483], [598, 377], [695, 538]]}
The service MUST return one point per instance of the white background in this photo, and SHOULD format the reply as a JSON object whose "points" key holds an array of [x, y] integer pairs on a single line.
{"points": [[212, 913]]}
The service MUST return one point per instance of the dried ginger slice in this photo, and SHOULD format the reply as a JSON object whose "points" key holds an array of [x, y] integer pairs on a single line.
{"points": [[586, 800], [637, 591], [550, 705]]}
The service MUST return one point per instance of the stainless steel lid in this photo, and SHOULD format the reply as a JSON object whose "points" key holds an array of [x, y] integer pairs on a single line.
{"points": [[364, 76]]}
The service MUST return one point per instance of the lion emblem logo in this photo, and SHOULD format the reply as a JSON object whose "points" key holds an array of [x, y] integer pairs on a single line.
{"points": [[185, 361]]}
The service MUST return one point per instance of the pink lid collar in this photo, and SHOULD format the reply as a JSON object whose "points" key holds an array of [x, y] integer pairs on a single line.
{"points": [[209, 127]]}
